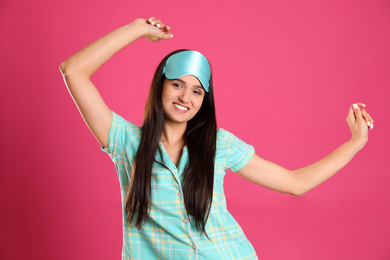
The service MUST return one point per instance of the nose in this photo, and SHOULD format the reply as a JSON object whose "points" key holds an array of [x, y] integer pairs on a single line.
{"points": [[185, 96]]}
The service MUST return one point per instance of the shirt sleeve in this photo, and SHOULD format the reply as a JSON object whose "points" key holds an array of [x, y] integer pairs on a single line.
{"points": [[120, 136], [239, 152]]}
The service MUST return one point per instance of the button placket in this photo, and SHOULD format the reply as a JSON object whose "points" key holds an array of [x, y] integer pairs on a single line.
{"points": [[185, 220]]}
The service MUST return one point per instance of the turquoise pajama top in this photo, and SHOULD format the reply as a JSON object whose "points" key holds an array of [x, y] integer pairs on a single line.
{"points": [[169, 233]]}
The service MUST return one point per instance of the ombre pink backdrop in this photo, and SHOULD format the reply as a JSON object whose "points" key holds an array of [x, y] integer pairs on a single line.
{"points": [[285, 74]]}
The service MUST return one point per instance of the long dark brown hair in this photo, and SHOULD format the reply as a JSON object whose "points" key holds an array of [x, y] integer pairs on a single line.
{"points": [[200, 137]]}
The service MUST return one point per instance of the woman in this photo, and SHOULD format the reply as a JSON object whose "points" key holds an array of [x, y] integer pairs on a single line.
{"points": [[171, 170]]}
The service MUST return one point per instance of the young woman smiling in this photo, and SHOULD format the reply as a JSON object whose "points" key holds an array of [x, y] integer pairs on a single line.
{"points": [[171, 169]]}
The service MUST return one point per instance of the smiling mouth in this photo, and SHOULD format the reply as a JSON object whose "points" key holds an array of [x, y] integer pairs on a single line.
{"points": [[181, 107]]}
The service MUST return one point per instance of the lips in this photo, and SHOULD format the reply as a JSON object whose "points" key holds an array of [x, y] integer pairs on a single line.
{"points": [[180, 107]]}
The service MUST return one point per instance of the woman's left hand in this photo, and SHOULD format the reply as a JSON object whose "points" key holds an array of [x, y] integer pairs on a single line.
{"points": [[300, 181], [359, 122]]}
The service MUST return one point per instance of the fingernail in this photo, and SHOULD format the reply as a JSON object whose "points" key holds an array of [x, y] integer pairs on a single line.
{"points": [[168, 27], [171, 36], [369, 124], [152, 22], [150, 19], [372, 126], [364, 105], [158, 25], [355, 106]]}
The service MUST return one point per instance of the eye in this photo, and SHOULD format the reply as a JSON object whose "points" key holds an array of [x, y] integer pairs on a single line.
{"points": [[197, 92], [176, 85]]}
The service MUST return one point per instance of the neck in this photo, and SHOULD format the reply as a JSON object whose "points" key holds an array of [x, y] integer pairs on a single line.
{"points": [[173, 133]]}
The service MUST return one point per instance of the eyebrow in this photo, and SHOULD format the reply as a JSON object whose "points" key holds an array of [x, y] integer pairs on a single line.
{"points": [[182, 81]]}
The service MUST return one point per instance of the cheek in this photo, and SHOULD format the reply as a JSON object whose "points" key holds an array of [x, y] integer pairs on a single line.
{"points": [[199, 105], [166, 97]]}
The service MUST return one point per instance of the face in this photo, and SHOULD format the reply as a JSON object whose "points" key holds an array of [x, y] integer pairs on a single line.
{"points": [[182, 98]]}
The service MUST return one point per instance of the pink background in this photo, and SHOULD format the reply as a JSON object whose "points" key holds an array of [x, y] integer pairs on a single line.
{"points": [[285, 74]]}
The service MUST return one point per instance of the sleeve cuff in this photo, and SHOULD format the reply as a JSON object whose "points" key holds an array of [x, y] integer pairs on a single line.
{"points": [[244, 160], [113, 135]]}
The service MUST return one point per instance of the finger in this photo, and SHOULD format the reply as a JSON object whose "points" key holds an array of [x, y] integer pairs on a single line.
{"points": [[371, 121], [366, 118], [167, 29], [167, 36], [151, 20], [157, 23], [160, 26], [360, 104], [351, 115], [357, 112]]}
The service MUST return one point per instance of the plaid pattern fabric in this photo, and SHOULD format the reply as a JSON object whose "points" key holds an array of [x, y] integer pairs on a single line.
{"points": [[169, 233]]}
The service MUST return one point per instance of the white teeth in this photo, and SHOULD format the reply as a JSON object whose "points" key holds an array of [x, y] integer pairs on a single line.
{"points": [[180, 107]]}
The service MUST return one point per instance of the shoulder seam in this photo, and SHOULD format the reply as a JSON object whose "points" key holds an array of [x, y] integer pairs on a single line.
{"points": [[224, 141]]}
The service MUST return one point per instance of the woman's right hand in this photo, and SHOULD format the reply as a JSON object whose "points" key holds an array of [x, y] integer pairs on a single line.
{"points": [[78, 69], [155, 30]]}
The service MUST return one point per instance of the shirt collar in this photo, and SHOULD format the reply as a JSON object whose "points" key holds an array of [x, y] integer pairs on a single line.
{"points": [[163, 157]]}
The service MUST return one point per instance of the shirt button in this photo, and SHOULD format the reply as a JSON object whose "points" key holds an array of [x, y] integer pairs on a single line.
{"points": [[179, 194], [184, 220]]}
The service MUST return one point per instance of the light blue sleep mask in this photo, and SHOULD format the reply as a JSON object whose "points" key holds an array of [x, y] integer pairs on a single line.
{"points": [[188, 63]]}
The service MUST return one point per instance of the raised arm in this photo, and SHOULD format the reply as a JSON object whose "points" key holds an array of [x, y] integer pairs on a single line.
{"points": [[78, 69], [300, 181]]}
